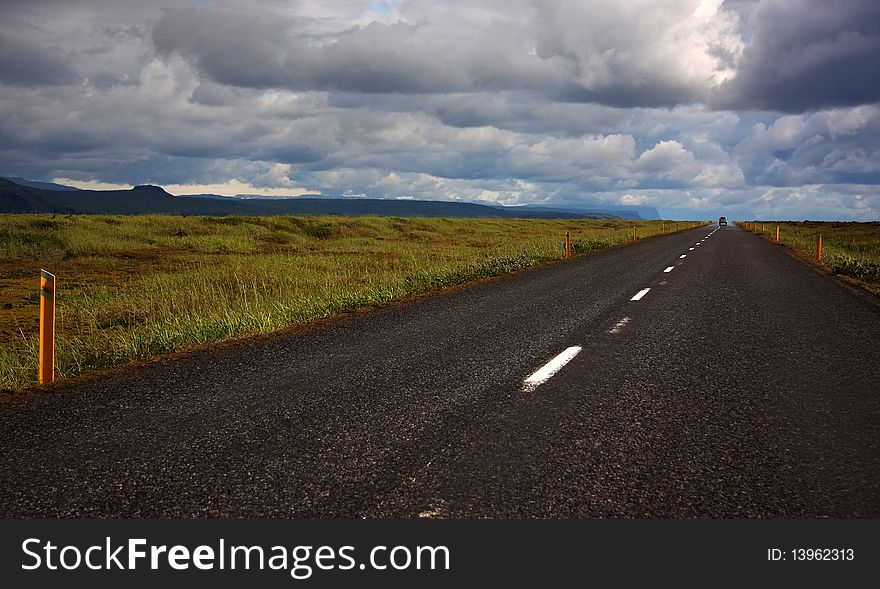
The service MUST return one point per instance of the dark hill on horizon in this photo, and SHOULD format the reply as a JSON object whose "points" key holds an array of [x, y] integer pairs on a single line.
{"points": [[140, 200], [41, 185]]}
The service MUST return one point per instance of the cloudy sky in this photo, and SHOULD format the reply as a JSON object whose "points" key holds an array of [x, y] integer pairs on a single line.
{"points": [[750, 108]]}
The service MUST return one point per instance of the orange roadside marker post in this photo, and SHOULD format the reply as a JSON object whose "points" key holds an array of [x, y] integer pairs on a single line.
{"points": [[777, 233], [635, 233], [819, 248], [567, 244], [47, 327]]}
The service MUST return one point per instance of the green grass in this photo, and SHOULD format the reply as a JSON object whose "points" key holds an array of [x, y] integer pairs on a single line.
{"points": [[848, 249], [131, 288]]}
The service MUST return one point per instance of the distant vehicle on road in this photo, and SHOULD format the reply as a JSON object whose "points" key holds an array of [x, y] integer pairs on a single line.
{"points": [[722, 221]]}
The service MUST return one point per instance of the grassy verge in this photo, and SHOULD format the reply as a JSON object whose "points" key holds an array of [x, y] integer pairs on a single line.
{"points": [[131, 288], [851, 250]]}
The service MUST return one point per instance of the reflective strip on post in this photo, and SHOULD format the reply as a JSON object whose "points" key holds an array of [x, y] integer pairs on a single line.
{"points": [[47, 327]]}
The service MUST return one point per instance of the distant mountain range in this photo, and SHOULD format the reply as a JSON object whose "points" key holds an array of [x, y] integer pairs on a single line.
{"points": [[24, 196], [43, 185]]}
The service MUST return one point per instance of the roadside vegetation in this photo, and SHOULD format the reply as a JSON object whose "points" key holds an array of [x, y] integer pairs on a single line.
{"points": [[131, 288], [850, 249]]}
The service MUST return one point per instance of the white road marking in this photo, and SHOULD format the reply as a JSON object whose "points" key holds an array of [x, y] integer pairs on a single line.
{"points": [[690, 249], [619, 325], [549, 369], [682, 256], [670, 269], [662, 282], [640, 294]]}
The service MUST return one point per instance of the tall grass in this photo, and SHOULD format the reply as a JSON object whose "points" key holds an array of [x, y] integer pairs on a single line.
{"points": [[848, 249], [130, 288]]}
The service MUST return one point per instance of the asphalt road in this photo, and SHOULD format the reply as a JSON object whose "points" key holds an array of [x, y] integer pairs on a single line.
{"points": [[743, 384]]}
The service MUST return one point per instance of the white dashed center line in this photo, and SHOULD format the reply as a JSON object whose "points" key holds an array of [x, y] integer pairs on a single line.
{"points": [[682, 256], [549, 369], [670, 269], [640, 294], [619, 325], [690, 249]]}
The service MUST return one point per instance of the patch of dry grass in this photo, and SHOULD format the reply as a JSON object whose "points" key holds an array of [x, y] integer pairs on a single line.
{"points": [[849, 249]]}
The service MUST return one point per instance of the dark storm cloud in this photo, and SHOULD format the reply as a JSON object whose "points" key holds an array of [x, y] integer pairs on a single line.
{"points": [[807, 55], [232, 48], [23, 62], [266, 51], [566, 51], [626, 96], [798, 56]]}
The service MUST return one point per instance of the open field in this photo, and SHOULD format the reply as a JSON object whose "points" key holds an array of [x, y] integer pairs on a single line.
{"points": [[130, 288], [848, 249]]}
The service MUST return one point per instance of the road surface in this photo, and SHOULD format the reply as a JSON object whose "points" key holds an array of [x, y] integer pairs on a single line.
{"points": [[743, 383]]}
